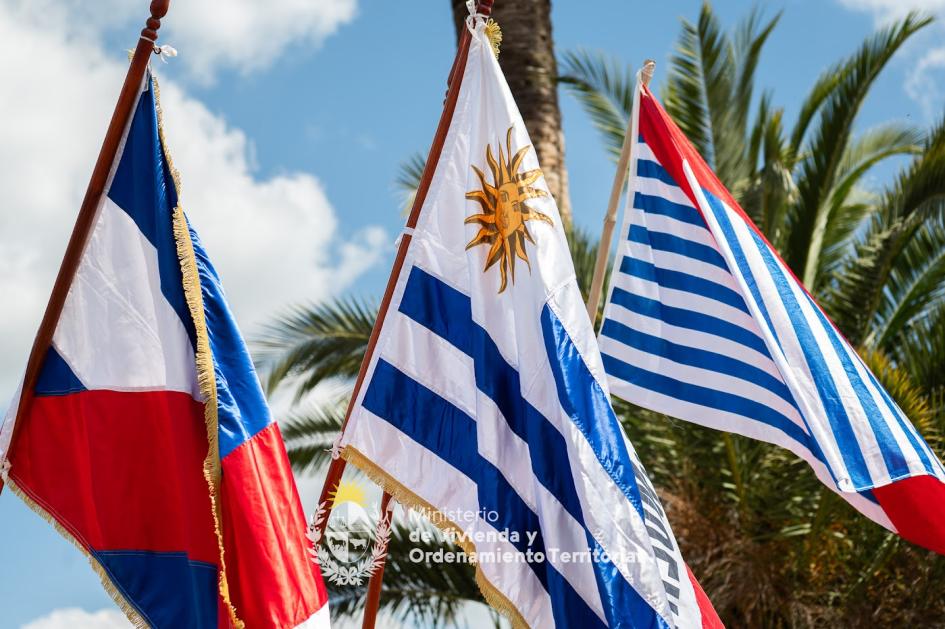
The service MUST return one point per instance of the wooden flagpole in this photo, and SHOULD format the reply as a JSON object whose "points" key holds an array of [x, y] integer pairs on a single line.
{"points": [[127, 99], [610, 220], [337, 466]]}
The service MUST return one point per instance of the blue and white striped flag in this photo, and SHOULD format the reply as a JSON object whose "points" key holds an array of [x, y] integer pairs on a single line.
{"points": [[705, 323], [485, 403]]}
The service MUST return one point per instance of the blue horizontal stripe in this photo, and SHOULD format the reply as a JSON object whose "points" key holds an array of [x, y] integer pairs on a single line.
{"points": [[661, 241], [677, 280], [704, 396], [695, 357], [653, 170], [446, 431], [447, 312], [689, 319], [652, 204]]}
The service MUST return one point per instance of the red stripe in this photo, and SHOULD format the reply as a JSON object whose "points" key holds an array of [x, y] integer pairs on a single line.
{"points": [[120, 470], [272, 580], [914, 505], [710, 619]]}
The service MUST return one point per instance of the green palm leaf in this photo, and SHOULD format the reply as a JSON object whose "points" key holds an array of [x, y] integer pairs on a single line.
{"points": [[314, 344]]}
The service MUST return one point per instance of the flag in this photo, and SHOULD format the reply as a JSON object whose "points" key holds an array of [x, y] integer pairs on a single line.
{"points": [[706, 323], [147, 440], [485, 405]]}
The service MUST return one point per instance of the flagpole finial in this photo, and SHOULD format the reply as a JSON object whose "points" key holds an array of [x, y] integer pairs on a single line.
{"points": [[649, 67], [158, 10]]}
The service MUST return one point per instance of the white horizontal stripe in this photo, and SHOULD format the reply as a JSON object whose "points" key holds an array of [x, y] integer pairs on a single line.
{"points": [[729, 422], [432, 361], [694, 339], [658, 188], [117, 330], [668, 225], [445, 488], [707, 378], [440, 367], [677, 262], [645, 152], [682, 299]]}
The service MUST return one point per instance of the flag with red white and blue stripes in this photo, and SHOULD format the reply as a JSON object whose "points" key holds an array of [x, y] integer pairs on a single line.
{"points": [[147, 439], [704, 322]]}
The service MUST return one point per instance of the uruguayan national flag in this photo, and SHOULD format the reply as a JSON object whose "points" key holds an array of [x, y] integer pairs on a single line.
{"points": [[706, 323], [485, 403]]}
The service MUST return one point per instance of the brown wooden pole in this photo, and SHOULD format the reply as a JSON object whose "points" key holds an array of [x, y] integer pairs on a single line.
{"points": [[127, 99], [372, 601], [610, 219], [337, 466]]}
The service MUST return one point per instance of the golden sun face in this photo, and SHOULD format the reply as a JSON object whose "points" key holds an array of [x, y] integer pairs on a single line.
{"points": [[504, 212]]}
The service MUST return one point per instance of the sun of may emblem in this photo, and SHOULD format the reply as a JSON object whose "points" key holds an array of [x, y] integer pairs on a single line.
{"points": [[504, 217]]}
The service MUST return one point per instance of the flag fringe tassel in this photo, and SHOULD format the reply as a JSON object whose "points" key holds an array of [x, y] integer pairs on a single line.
{"points": [[206, 376], [496, 599], [108, 583]]}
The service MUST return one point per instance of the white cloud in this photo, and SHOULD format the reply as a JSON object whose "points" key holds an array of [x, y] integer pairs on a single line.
{"points": [[250, 34], [75, 618], [923, 52], [885, 10], [241, 35], [924, 80], [274, 240]]}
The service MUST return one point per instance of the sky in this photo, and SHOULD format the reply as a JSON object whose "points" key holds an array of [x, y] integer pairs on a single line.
{"points": [[288, 120]]}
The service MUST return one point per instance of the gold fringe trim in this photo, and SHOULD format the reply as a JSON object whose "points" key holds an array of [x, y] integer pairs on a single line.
{"points": [[494, 33], [401, 494], [206, 377], [127, 608]]}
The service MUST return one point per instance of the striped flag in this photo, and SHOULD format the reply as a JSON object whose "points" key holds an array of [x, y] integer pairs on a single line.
{"points": [[485, 404], [147, 440], [706, 323]]}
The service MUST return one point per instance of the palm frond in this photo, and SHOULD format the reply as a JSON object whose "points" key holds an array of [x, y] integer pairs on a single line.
{"points": [[849, 204], [700, 84], [313, 344], [829, 142], [310, 432], [917, 196], [409, 174], [604, 87]]}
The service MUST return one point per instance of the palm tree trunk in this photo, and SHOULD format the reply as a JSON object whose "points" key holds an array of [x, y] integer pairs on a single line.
{"points": [[528, 61]]}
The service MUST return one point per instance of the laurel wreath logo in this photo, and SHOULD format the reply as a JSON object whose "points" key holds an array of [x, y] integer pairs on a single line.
{"points": [[337, 572]]}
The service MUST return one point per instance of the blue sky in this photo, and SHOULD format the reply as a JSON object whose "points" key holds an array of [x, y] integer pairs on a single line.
{"points": [[290, 134]]}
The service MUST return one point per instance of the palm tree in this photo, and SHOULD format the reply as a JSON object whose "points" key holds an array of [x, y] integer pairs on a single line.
{"points": [[771, 545]]}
